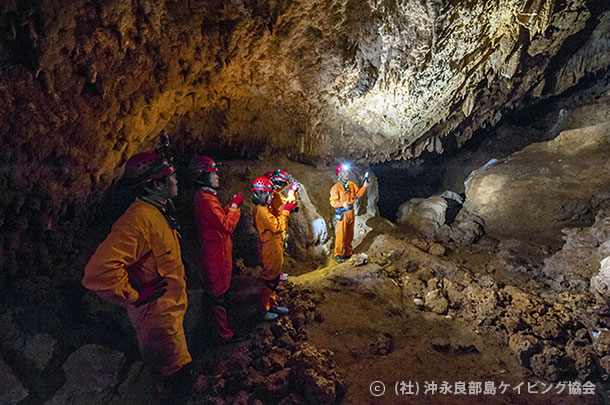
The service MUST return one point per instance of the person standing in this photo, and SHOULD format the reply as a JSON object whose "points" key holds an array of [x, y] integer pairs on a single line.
{"points": [[343, 195], [139, 266], [270, 243], [284, 191], [215, 226]]}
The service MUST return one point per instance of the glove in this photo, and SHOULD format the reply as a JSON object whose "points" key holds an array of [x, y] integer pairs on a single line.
{"points": [[150, 291], [290, 206], [294, 186], [237, 200]]}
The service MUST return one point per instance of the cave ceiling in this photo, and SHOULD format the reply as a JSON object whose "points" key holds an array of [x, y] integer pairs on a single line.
{"points": [[85, 85]]}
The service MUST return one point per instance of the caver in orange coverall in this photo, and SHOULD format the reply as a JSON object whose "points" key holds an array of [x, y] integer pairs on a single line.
{"points": [[141, 247], [270, 251], [340, 194], [215, 226], [277, 206]]}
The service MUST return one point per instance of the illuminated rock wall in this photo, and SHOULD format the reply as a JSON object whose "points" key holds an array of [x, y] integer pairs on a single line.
{"points": [[85, 85]]}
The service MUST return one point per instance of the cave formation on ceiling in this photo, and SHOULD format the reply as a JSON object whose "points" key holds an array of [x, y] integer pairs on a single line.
{"points": [[85, 85]]}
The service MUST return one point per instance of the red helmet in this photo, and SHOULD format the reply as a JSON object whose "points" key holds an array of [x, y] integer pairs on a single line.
{"points": [[268, 175], [279, 176], [147, 166], [204, 164], [341, 168], [262, 184]]}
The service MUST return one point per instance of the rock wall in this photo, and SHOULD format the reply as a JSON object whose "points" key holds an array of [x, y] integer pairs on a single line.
{"points": [[545, 187], [85, 85]]}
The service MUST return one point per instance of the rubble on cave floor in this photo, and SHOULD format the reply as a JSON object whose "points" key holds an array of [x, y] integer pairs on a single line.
{"points": [[405, 307], [398, 312]]}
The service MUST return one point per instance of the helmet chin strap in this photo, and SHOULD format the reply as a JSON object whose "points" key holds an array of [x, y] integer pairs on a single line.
{"points": [[161, 196]]}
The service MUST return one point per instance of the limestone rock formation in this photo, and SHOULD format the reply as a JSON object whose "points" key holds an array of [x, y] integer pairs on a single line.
{"points": [[546, 186], [579, 265], [84, 86]]}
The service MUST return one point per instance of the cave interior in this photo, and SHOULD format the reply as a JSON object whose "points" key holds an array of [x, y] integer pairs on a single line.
{"points": [[481, 264]]}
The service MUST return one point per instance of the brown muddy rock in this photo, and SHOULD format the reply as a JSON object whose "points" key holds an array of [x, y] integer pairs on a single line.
{"points": [[436, 302], [483, 301], [518, 196], [602, 344], [383, 345], [263, 340], [279, 381], [316, 375], [421, 244], [276, 360], [547, 327], [519, 300], [285, 341], [452, 344], [254, 379], [513, 322], [604, 362], [317, 387], [581, 355], [437, 250], [441, 344], [412, 286], [524, 346], [455, 294], [424, 274], [546, 363], [578, 309]]}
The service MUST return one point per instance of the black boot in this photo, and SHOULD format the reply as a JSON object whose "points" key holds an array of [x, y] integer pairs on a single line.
{"points": [[178, 386]]}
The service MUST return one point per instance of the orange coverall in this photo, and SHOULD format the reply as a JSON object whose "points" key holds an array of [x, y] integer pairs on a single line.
{"points": [[215, 226], [345, 227], [141, 247], [277, 205], [270, 250]]}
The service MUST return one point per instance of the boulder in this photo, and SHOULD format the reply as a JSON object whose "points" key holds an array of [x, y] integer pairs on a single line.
{"points": [[545, 187], [426, 215], [92, 375], [524, 346]]}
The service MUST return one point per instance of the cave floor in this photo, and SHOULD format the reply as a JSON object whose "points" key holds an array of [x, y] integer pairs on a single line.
{"points": [[354, 321], [426, 348]]}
